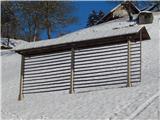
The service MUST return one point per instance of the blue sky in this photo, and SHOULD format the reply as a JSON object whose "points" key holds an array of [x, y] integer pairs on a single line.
{"points": [[82, 11]]}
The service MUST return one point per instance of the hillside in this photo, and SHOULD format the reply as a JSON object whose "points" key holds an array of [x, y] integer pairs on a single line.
{"points": [[12, 44], [138, 102]]}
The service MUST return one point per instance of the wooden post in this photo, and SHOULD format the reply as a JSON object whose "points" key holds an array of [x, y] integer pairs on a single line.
{"points": [[129, 64], [140, 54], [21, 96], [72, 72]]}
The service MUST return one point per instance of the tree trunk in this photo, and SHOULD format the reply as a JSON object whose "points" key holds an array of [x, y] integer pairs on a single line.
{"points": [[49, 32], [30, 31], [36, 29], [48, 24], [35, 35], [8, 36]]}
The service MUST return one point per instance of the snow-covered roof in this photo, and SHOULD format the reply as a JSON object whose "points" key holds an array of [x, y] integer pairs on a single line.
{"points": [[107, 16], [104, 30]]}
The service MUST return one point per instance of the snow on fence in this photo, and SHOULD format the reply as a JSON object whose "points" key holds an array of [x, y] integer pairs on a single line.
{"points": [[79, 69]]}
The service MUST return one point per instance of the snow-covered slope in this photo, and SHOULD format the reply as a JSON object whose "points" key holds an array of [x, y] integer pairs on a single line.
{"points": [[12, 44], [118, 103]]}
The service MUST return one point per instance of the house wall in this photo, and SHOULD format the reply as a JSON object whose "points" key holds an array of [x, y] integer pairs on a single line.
{"points": [[120, 12]]}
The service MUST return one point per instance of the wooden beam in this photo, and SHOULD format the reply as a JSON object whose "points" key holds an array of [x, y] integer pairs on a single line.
{"points": [[140, 54], [21, 96], [72, 72], [129, 64]]}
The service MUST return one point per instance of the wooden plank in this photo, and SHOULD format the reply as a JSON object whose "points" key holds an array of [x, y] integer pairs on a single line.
{"points": [[129, 64], [72, 72], [21, 96], [52, 54], [140, 54]]}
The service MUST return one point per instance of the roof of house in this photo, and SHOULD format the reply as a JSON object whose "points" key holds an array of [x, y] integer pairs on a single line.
{"points": [[109, 15]]}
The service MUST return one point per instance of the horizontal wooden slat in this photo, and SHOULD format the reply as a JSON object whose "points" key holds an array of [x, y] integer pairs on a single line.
{"points": [[45, 78], [42, 76], [99, 82], [115, 77], [135, 74], [54, 72], [135, 52], [135, 62], [48, 74], [57, 65], [44, 91], [47, 55], [40, 88], [102, 78], [135, 48], [51, 70], [78, 53], [99, 71], [87, 68], [135, 67], [102, 47], [46, 84], [105, 56], [100, 61], [46, 62], [98, 85], [99, 53], [101, 74], [47, 59]]}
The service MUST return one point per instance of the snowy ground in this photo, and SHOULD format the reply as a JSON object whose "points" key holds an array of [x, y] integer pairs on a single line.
{"points": [[117, 103]]}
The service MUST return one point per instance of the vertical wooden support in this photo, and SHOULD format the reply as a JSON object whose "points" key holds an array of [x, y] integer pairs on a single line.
{"points": [[72, 72], [129, 64], [21, 96], [140, 54]]}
